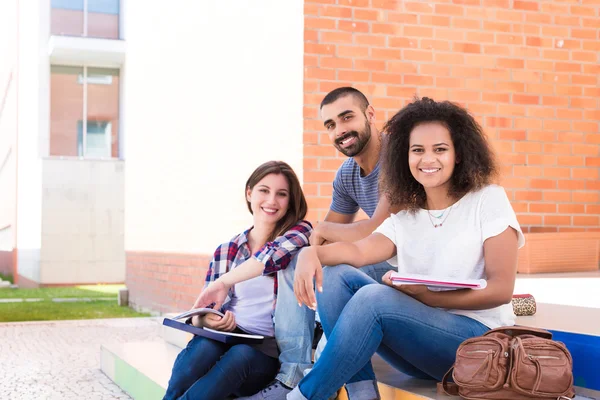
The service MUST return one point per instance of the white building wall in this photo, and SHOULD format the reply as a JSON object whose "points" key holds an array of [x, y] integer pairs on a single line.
{"points": [[211, 90], [32, 116], [8, 124], [82, 221], [61, 238]]}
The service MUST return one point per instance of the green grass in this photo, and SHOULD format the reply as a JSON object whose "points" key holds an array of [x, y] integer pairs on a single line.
{"points": [[91, 291], [49, 311], [6, 278]]}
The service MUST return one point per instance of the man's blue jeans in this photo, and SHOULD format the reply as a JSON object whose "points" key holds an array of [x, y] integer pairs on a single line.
{"points": [[207, 369], [361, 317], [294, 325]]}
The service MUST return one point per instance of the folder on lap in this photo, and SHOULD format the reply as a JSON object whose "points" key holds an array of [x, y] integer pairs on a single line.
{"points": [[437, 283]]}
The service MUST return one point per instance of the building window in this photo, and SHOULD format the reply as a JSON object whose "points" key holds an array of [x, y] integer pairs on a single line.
{"points": [[96, 143], [84, 111], [90, 18]]}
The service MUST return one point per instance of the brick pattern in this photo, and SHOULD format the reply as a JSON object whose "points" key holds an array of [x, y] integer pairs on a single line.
{"points": [[528, 70], [165, 282]]}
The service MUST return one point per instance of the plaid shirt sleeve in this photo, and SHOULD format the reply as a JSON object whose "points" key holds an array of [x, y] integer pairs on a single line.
{"points": [[276, 255], [221, 261], [221, 264]]}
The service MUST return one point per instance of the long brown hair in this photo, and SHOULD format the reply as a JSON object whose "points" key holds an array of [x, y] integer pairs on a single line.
{"points": [[297, 207]]}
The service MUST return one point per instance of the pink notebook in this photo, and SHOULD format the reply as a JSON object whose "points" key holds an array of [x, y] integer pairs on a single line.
{"points": [[442, 282]]}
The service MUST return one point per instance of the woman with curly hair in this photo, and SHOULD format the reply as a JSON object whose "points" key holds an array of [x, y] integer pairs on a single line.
{"points": [[454, 222]]}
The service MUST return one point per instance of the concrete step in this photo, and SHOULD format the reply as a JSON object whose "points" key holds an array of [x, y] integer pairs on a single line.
{"points": [[390, 379], [175, 337], [141, 369], [579, 329]]}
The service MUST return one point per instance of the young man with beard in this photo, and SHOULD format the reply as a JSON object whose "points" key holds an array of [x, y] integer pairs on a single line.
{"points": [[350, 121]]}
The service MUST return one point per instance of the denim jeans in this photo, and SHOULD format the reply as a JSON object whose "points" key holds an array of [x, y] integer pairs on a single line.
{"points": [[208, 369], [294, 329], [361, 317], [294, 325]]}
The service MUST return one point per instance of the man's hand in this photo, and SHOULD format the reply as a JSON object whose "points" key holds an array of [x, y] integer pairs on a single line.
{"points": [[308, 268], [213, 321], [316, 236], [216, 292]]}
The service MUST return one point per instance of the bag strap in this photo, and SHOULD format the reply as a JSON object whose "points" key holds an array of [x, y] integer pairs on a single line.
{"points": [[448, 388], [521, 330]]}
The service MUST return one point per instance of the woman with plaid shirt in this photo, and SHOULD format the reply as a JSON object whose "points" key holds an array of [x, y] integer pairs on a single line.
{"points": [[242, 283]]}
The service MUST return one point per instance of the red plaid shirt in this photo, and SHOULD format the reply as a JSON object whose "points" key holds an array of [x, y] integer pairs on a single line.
{"points": [[275, 255]]}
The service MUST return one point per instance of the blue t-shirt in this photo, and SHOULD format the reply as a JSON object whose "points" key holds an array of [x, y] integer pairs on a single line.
{"points": [[352, 191]]}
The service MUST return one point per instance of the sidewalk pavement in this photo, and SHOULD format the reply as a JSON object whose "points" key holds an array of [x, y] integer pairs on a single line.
{"points": [[61, 359]]}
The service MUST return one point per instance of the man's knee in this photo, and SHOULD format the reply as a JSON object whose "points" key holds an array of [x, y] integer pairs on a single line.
{"points": [[287, 274], [337, 271]]}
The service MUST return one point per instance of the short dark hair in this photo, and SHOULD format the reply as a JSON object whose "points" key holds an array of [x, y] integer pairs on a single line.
{"points": [[297, 207], [476, 166], [345, 91]]}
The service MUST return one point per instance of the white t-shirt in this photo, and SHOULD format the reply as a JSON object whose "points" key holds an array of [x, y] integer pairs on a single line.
{"points": [[252, 305], [455, 249]]}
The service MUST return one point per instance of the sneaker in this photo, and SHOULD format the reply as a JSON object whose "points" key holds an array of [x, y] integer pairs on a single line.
{"points": [[275, 391]]}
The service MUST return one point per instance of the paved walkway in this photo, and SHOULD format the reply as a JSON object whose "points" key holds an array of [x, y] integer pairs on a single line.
{"points": [[61, 359]]}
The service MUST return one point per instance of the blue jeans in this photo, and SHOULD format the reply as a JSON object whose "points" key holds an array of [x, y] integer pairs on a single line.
{"points": [[361, 317], [294, 329], [208, 369], [294, 326]]}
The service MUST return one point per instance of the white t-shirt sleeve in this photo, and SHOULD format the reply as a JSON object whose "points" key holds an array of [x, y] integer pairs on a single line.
{"points": [[388, 229], [497, 214]]}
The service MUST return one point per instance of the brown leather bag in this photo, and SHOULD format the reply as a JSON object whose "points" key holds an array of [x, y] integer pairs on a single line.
{"points": [[511, 363]]}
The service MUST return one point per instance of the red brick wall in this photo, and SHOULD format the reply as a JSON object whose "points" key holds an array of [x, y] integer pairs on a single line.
{"points": [[6, 262], [165, 282], [528, 70]]}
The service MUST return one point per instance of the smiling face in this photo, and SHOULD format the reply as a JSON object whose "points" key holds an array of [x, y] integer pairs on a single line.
{"points": [[269, 199], [348, 126], [431, 155]]}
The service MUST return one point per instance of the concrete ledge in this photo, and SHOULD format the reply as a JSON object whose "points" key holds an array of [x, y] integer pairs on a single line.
{"points": [[579, 329], [175, 337], [558, 317], [141, 369]]}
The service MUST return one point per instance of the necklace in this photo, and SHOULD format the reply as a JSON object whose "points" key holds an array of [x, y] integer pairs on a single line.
{"points": [[442, 221], [437, 216]]}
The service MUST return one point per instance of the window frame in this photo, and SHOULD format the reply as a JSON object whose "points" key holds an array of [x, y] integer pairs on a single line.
{"points": [[84, 81], [85, 12]]}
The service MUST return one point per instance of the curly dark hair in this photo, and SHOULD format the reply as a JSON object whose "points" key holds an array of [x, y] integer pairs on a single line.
{"points": [[476, 168]]}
